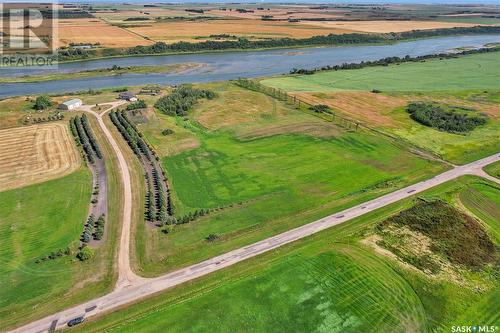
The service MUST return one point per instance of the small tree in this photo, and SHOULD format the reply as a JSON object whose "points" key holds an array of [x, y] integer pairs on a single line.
{"points": [[42, 102], [85, 253]]}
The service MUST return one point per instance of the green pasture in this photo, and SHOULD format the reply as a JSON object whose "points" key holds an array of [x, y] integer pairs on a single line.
{"points": [[478, 71], [329, 282], [34, 221]]}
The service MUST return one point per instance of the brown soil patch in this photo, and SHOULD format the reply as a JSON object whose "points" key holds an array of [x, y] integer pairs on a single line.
{"points": [[252, 29], [97, 31], [366, 107], [34, 154], [386, 26]]}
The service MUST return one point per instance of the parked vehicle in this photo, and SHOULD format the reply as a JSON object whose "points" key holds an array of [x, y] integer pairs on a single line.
{"points": [[76, 321]]}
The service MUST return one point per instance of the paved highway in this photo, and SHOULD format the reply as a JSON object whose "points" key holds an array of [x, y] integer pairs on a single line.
{"points": [[131, 288]]}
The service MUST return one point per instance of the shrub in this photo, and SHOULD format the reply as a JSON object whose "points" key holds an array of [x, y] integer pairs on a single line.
{"points": [[320, 108], [212, 238], [85, 253], [42, 102], [140, 104], [167, 131]]}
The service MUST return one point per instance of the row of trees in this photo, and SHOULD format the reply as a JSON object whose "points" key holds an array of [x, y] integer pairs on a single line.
{"points": [[390, 60], [130, 133], [180, 101], [80, 129], [93, 229], [445, 118], [243, 43]]}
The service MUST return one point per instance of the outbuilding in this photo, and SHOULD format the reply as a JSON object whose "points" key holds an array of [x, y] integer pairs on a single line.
{"points": [[128, 96], [71, 104]]}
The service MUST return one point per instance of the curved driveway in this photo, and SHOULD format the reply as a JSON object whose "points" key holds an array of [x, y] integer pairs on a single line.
{"points": [[131, 288]]}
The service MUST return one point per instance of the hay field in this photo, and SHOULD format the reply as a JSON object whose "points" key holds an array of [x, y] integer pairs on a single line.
{"points": [[386, 26], [96, 31], [253, 29], [33, 154]]}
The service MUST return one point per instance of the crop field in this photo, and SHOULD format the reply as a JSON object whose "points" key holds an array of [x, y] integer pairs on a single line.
{"points": [[327, 282], [479, 71], [35, 153], [266, 176], [94, 31], [493, 169], [34, 221], [252, 29], [386, 26], [346, 91]]}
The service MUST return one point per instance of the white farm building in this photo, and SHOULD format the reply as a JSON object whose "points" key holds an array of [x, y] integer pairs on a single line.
{"points": [[71, 104]]}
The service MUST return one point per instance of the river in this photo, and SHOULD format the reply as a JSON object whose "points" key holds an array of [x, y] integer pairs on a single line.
{"points": [[227, 65]]}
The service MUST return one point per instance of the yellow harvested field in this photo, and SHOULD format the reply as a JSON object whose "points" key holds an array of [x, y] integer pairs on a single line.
{"points": [[386, 26], [282, 13], [253, 29], [34, 154], [97, 31]]}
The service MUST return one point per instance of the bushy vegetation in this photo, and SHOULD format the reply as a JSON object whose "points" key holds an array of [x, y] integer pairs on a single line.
{"points": [[139, 104], [130, 134], [167, 131], [180, 101], [445, 118], [457, 236], [320, 108], [42, 102], [243, 43], [85, 253]]}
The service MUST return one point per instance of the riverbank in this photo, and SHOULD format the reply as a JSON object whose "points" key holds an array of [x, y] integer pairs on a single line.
{"points": [[111, 71]]}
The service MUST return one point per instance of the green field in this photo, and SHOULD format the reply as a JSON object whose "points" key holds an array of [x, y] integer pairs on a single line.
{"points": [[493, 169], [469, 19], [478, 71], [328, 282], [34, 221], [269, 183]]}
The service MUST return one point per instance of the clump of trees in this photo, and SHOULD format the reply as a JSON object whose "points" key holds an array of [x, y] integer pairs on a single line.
{"points": [[99, 228], [445, 118], [54, 255], [320, 108], [42, 102], [180, 101], [93, 229], [139, 104], [130, 133]]}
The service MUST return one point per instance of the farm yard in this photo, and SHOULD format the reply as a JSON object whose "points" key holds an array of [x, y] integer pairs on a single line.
{"points": [[350, 92], [33, 154], [316, 283]]}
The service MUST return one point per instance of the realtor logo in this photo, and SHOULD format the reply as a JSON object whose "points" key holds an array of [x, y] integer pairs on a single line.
{"points": [[28, 33]]}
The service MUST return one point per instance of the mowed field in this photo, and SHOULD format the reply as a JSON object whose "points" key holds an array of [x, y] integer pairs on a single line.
{"points": [[32, 154], [329, 282], [264, 172], [92, 31], [34, 221], [469, 81]]}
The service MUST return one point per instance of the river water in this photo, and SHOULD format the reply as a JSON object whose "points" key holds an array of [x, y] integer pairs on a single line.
{"points": [[228, 65]]}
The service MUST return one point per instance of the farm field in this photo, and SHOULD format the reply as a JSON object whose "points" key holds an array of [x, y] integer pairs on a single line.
{"points": [[493, 169], [263, 173], [331, 281], [35, 153], [387, 26], [92, 31], [467, 82], [253, 29]]}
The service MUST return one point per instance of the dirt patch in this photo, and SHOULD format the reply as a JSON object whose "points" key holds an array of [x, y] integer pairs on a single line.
{"points": [[34, 154], [386, 26], [366, 107]]}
